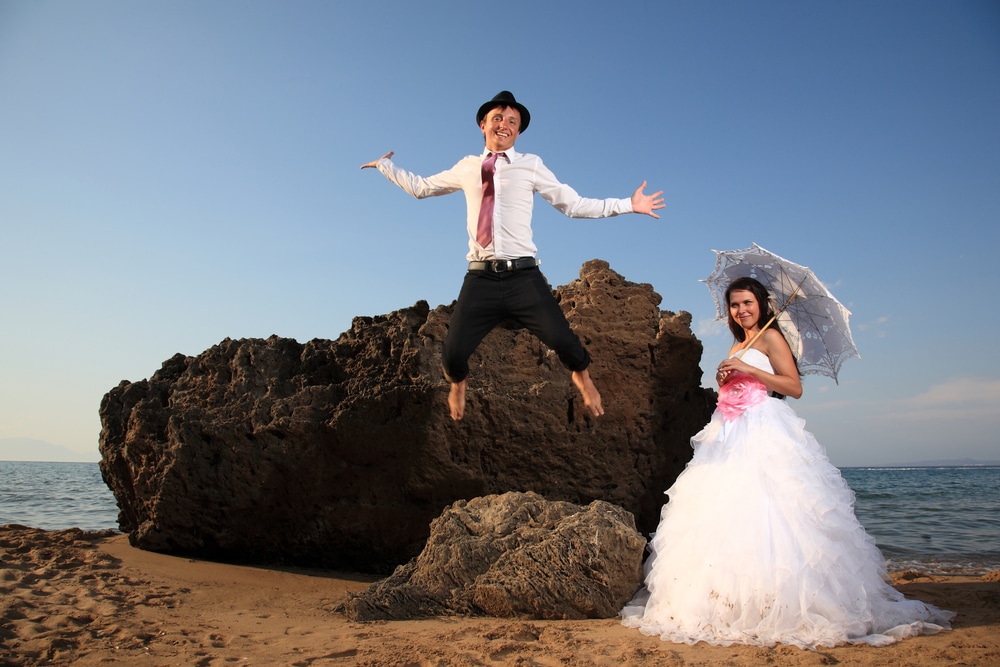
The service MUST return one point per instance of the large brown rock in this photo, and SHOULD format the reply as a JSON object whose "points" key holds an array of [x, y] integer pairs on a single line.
{"points": [[340, 453], [515, 555]]}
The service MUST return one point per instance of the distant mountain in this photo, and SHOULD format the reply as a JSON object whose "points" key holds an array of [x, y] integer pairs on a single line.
{"points": [[26, 449]]}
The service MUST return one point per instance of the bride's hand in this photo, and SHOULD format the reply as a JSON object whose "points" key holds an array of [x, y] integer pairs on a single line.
{"points": [[726, 369]]}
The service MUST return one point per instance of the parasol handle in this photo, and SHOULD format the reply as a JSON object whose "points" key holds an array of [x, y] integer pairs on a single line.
{"points": [[769, 323]]}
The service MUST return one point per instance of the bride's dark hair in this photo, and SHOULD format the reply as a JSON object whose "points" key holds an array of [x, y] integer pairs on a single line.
{"points": [[759, 291]]}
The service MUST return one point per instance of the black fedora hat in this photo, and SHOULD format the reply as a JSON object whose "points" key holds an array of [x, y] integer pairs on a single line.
{"points": [[505, 98]]}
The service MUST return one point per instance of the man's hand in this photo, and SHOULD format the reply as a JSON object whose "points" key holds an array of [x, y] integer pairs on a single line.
{"points": [[643, 203], [371, 165], [591, 397]]}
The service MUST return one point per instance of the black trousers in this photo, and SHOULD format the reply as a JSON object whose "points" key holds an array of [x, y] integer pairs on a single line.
{"points": [[488, 298]]}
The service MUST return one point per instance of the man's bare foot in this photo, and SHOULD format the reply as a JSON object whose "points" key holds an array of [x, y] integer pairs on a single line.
{"points": [[591, 398], [456, 399]]}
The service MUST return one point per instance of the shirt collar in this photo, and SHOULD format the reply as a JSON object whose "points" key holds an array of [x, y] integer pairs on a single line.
{"points": [[511, 153]]}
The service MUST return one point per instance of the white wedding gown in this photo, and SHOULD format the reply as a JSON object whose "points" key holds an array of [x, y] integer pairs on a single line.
{"points": [[759, 545]]}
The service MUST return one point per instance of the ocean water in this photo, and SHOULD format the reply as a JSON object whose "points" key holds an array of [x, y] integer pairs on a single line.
{"points": [[939, 520], [54, 496], [936, 519]]}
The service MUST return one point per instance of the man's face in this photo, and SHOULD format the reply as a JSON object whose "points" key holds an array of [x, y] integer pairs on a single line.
{"points": [[501, 127]]}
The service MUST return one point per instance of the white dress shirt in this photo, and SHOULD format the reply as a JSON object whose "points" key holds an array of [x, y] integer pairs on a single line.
{"points": [[515, 183]]}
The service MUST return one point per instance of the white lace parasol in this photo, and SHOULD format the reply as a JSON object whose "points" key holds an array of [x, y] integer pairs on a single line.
{"points": [[813, 322]]}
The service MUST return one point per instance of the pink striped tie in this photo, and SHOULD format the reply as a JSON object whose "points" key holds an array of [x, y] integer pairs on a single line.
{"points": [[484, 229]]}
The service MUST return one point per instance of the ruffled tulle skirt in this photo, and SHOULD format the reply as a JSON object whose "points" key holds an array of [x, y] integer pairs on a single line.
{"points": [[759, 545]]}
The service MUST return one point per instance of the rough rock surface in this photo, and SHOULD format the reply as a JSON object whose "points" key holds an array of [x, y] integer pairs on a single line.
{"points": [[339, 453], [515, 555]]}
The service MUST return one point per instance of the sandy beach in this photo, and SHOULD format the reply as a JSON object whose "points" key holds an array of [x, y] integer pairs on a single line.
{"points": [[78, 598]]}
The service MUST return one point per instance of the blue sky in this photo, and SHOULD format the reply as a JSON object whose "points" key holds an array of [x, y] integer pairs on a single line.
{"points": [[176, 173]]}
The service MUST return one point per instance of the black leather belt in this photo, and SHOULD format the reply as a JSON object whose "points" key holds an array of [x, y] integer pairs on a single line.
{"points": [[501, 265]]}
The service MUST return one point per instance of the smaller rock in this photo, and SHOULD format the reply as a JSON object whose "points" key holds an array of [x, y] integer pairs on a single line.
{"points": [[515, 555]]}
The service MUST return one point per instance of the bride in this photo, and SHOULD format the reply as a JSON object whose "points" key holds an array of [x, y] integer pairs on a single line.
{"points": [[758, 543]]}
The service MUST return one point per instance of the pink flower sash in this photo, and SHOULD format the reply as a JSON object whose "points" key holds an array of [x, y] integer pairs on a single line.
{"points": [[741, 392]]}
